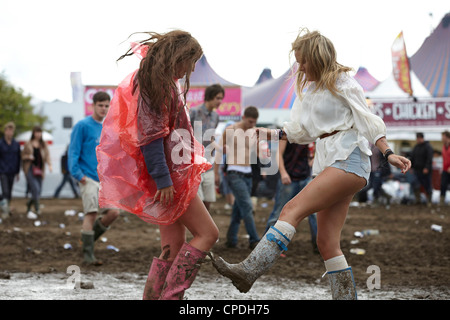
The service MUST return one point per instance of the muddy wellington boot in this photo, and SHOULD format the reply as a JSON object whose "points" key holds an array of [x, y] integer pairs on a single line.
{"points": [[342, 284], [99, 229], [156, 278], [182, 273], [87, 238], [262, 258]]}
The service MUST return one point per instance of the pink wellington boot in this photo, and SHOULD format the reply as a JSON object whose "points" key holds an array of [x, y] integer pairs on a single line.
{"points": [[156, 277], [183, 272]]}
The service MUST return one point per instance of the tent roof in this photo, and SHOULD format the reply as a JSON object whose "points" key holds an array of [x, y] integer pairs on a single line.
{"points": [[390, 89], [365, 79], [204, 75], [26, 136], [265, 75], [276, 93], [431, 62]]}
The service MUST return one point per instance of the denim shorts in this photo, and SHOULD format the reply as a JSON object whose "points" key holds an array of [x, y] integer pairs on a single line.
{"points": [[357, 163]]}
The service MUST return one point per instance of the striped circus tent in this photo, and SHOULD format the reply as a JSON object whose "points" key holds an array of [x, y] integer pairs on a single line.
{"points": [[278, 93], [366, 80], [431, 62]]}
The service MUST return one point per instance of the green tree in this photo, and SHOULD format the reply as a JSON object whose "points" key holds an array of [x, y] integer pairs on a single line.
{"points": [[16, 106]]}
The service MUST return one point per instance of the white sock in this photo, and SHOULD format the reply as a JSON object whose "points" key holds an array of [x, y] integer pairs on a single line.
{"points": [[336, 263], [285, 228]]}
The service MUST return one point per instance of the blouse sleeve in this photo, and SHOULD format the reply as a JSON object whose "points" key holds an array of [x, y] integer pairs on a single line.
{"points": [[294, 131], [371, 126]]}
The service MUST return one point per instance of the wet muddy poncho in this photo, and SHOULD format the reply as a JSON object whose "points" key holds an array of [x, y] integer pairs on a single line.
{"points": [[124, 180]]}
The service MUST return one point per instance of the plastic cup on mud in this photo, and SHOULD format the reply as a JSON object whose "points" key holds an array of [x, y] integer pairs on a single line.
{"points": [[358, 251], [436, 227]]}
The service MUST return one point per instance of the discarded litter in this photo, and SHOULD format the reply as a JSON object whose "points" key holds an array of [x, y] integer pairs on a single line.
{"points": [[358, 251], [354, 241], [370, 232], [31, 215], [436, 227], [103, 239], [110, 247], [367, 232], [62, 225], [69, 213], [37, 223], [67, 246]]}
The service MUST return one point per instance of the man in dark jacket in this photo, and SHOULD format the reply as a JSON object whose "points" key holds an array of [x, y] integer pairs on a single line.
{"points": [[421, 163], [9, 166]]}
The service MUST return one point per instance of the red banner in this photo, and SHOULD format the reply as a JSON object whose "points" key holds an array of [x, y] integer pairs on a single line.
{"points": [[400, 64], [230, 109], [426, 113]]}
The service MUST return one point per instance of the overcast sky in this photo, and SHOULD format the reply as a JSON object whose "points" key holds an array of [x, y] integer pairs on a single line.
{"points": [[43, 41]]}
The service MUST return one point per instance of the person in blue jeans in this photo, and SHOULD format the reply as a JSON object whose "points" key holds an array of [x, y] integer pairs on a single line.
{"points": [[295, 173], [237, 144]]}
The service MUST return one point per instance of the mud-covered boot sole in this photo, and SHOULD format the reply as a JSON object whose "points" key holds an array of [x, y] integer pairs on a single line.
{"points": [[235, 273]]}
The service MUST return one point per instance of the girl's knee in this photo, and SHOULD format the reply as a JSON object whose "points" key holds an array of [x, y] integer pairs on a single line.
{"points": [[113, 213]]}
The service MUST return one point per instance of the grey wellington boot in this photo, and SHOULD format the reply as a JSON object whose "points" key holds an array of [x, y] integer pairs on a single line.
{"points": [[99, 229], [262, 258], [342, 284]]}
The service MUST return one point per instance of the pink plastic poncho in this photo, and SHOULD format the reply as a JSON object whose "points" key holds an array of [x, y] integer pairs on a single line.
{"points": [[124, 179]]}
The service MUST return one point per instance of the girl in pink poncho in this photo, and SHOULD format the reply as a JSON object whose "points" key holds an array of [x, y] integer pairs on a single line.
{"points": [[151, 165]]}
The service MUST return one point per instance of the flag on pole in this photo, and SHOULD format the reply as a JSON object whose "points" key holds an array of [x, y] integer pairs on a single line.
{"points": [[400, 63]]}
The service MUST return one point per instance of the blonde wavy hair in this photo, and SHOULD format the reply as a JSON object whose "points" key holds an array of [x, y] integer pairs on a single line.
{"points": [[319, 52]]}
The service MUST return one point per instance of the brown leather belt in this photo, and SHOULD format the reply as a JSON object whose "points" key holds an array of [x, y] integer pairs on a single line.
{"points": [[328, 134]]}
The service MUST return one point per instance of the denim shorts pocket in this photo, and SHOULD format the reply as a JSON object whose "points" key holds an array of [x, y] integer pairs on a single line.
{"points": [[365, 162]]}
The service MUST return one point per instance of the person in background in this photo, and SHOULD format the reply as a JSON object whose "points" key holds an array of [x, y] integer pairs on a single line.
{"points": [[206, 116], [238, 146], [83, 163], [220, 176], [35, 158], [445, 176], [294, 164], [67, 177], [9, 166], [421, 162]]}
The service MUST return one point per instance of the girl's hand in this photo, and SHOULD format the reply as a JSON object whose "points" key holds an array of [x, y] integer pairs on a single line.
{"points": [[165, 195], [400, 162]]}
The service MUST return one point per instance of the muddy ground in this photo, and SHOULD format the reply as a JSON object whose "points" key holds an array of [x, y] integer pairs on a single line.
{"points": [[413, 258]]}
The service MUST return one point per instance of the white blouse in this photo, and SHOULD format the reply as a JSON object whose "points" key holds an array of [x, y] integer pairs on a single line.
{"points": [[321, 112]]}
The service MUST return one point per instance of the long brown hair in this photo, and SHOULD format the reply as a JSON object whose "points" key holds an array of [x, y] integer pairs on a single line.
{"points": [[157, 69], [42, 143], [321, 56]]}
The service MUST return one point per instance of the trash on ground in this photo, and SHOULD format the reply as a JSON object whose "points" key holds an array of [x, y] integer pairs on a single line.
{"points": [[436, 227], [358, 251], [110, 247], [31, 215]]}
